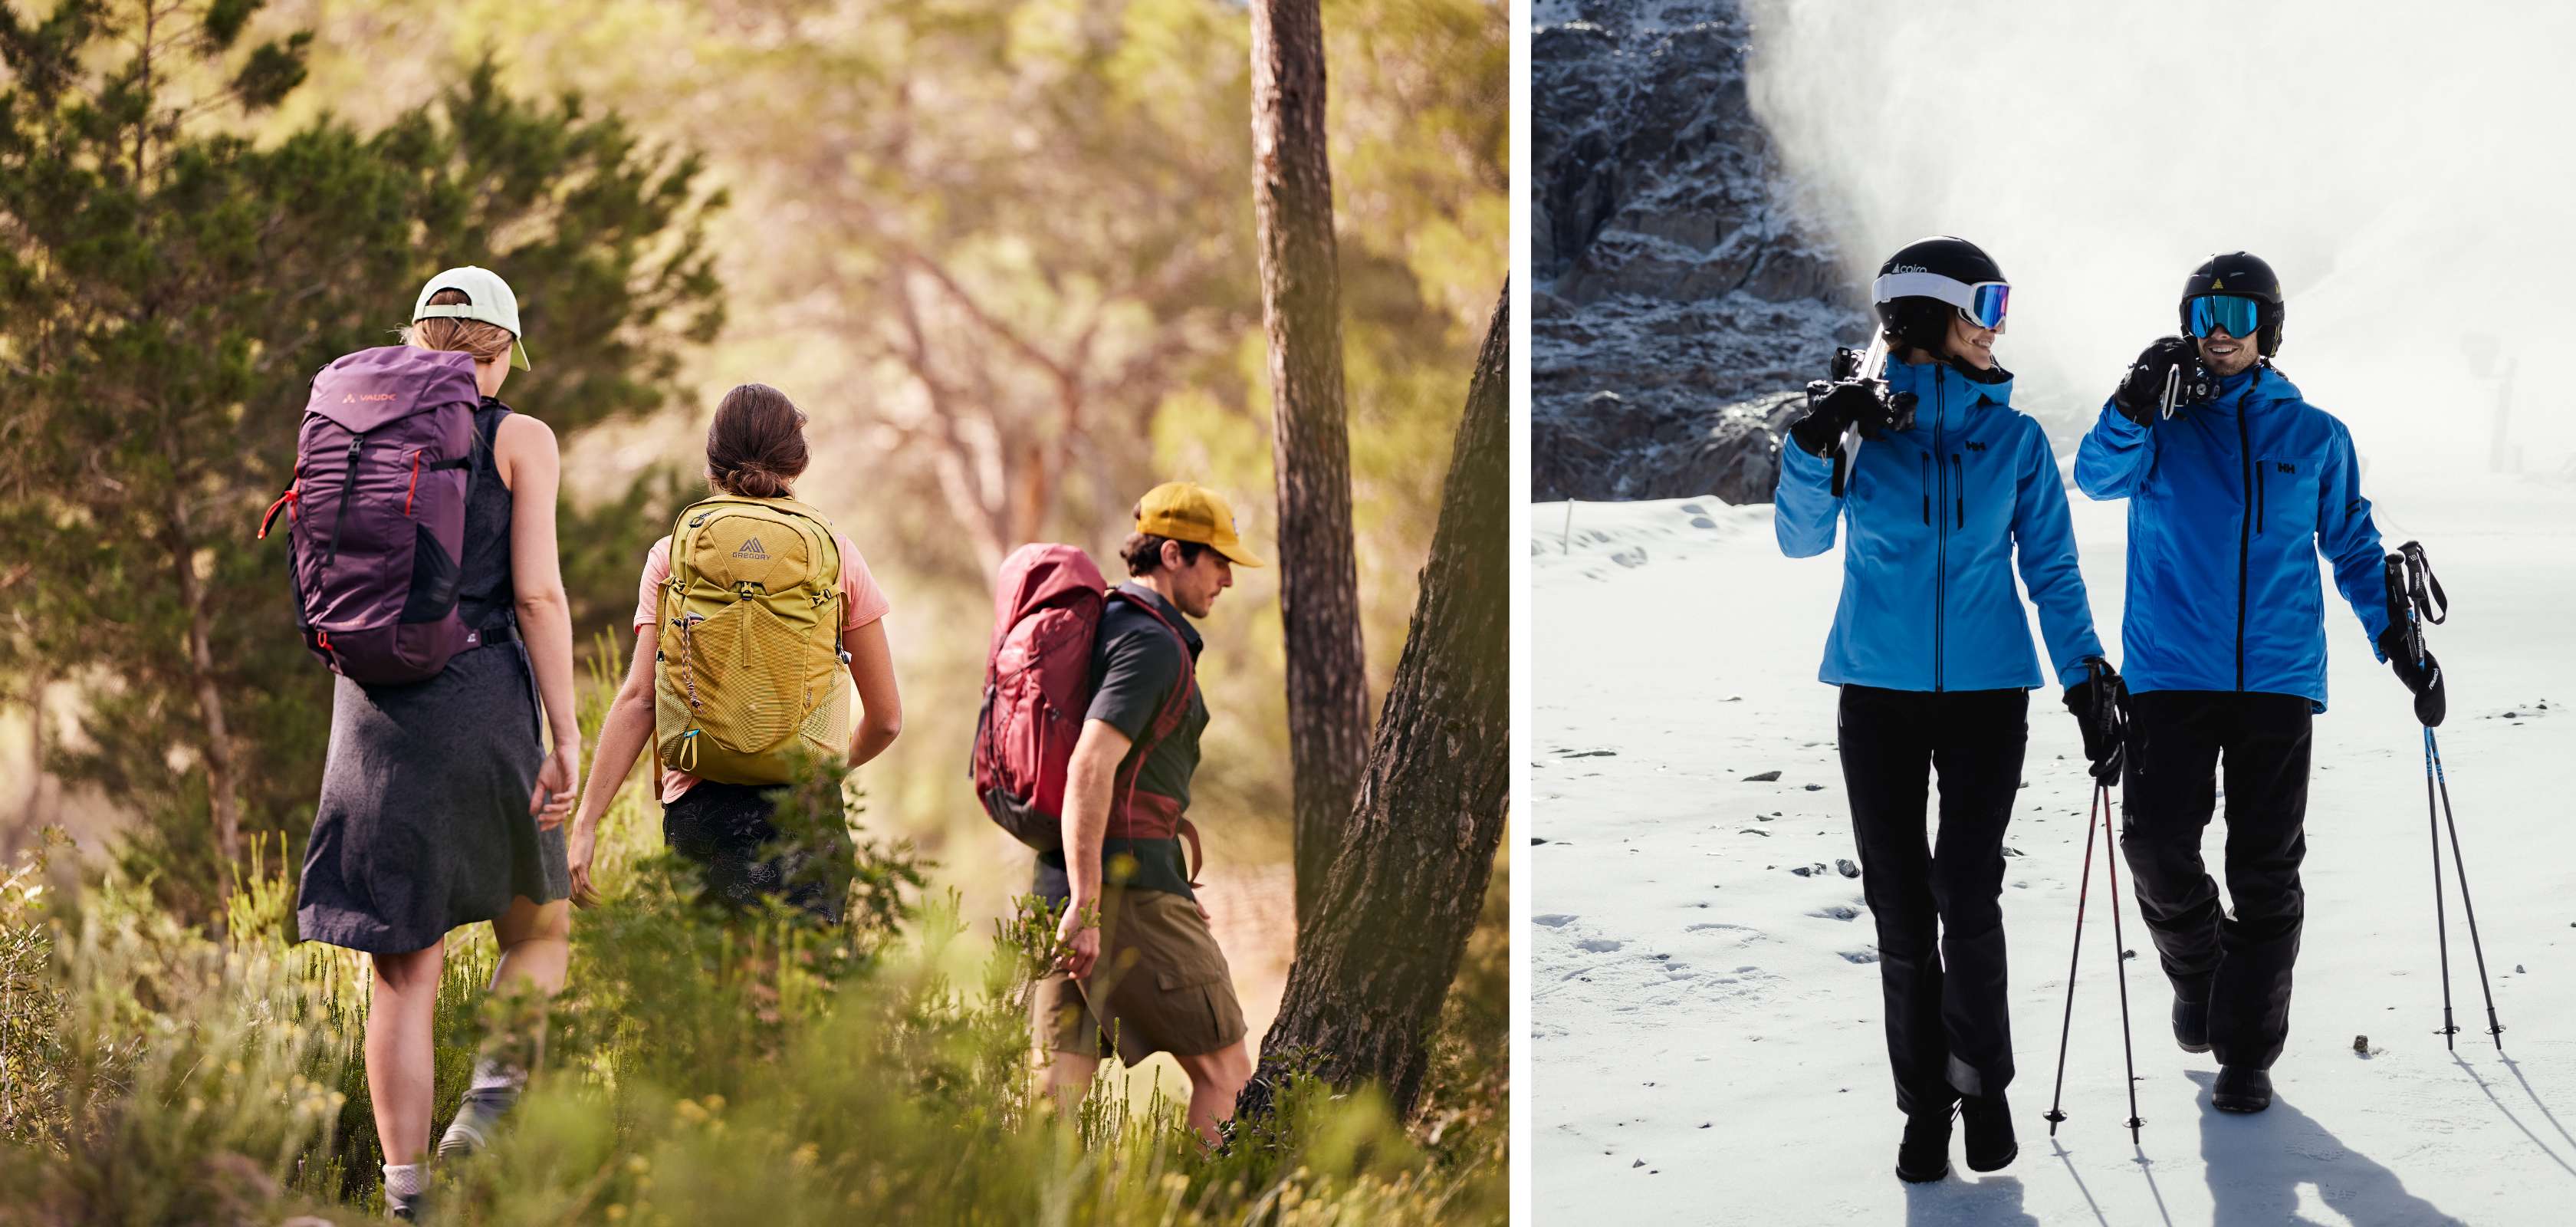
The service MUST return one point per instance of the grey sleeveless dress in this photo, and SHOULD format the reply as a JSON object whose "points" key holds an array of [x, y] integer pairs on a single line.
{"points": [[423, 824]]}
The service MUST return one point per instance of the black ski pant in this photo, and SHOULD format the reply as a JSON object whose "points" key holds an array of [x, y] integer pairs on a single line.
{"points": [[1937, 899], [2179, 741]]}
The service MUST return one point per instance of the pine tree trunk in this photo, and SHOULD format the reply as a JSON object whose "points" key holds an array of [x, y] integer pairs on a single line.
{"points": [[1301, 312], [1375, 959]]}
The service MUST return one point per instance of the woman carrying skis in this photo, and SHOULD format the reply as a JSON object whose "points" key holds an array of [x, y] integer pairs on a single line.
{"points": [[434, 791], [1952, 488], [755, 452]]}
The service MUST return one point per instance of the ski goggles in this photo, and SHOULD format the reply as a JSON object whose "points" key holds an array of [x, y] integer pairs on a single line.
{"points": [[1982, 303], [2240, 316]]}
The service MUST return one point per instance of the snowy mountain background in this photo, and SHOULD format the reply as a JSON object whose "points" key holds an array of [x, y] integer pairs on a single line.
{"points": [[1681, 300], [1714, 181]]}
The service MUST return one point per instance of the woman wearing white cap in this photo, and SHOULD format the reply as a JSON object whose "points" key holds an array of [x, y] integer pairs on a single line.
{"points": [[441, 803]]}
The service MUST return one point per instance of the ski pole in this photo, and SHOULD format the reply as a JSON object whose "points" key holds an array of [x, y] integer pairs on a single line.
{"points": [[2441, 915], [2412, 581], [2084, 886], [2111, 868], [2460, 867]]}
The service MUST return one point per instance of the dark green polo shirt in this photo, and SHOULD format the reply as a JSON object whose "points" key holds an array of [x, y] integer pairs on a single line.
{"points": [[1138, 666]]}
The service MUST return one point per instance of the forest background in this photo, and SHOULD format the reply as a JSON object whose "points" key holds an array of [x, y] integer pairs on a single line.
{"points": [[1001, 251]]}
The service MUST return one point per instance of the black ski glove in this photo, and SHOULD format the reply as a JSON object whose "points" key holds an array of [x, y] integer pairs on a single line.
{"points": [[1831, 411], [2101, 707], [2423, 678], [1837, 406], [2142, 391]]}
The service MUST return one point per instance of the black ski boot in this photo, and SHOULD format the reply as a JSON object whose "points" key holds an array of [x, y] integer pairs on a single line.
{"points": [[1924, 1155], [1990, 1132], [2241, 1089], [2191, 1023]]}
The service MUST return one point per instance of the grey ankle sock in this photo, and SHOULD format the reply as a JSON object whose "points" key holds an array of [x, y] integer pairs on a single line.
{"points": [[495, 1083]]}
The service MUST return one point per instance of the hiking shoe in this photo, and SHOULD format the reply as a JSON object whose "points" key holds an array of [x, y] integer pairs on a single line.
{"points": [[1924, 1155], [2241, 1089], [2191, 1024], [477, 1118], [1990, 1142]]}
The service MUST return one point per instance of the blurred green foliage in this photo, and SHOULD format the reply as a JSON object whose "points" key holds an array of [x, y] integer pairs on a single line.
{"points": [[704, 1066]]}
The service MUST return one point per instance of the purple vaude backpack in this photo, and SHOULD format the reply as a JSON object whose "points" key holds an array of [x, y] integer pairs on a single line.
{"points": [[376, 514]]}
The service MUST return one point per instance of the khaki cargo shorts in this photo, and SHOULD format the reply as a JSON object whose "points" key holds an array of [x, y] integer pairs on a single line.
{"points": [[1161, 985]]}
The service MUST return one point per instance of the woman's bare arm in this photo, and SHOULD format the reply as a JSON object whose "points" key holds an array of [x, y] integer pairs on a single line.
{"points": [[880, 708], [524, 452]]}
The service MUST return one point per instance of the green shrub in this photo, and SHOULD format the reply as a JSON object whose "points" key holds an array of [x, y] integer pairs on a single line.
{"points": [[703, 1066]]}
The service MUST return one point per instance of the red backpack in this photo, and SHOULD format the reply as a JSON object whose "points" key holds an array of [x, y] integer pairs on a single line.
{"points": [[1047, 605]]}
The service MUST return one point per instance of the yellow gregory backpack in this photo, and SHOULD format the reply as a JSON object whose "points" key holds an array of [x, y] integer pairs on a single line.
{"points": [[750, 675]]}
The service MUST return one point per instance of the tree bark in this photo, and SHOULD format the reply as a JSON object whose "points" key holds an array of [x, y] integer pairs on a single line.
{"points": [[1375, 960], [1301, 313]]}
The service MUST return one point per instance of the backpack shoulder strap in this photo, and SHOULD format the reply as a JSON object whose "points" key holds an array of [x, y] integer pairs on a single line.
{"points": [[1167, 720]]}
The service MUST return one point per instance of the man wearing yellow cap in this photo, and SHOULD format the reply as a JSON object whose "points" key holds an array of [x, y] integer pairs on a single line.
{"points": [[1141, 972]]}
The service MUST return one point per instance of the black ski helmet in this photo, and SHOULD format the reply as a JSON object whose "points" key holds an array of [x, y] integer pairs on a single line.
{"points": [[2245, 276], [1917, 319]]}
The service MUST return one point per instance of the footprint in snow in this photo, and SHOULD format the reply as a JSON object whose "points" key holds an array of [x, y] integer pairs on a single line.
{"points": [[1835, 912], [1860, 956], [1554, 920], [1599, 945]]}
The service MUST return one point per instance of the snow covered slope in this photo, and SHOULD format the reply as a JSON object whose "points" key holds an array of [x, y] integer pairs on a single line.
{"points": [[1706, 1024]]}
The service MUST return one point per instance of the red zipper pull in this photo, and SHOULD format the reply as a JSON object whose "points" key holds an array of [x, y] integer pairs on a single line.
{"points": [[415, 482]]}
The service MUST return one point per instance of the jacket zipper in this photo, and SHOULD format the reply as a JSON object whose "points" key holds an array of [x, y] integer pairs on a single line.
{"points": [[1941, 551], [1926, 467], [2244, 524]]}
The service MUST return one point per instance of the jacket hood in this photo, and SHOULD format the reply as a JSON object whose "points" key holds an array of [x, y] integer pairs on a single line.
{"points": [[2258, 384], [1992, 387]]}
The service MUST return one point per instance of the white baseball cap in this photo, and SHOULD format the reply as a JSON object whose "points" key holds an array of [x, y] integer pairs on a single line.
{"points": [[487, 299]]}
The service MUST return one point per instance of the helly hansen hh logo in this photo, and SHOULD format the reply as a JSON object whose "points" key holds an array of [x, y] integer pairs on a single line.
{"points": [[1976, 447], [2284, 466], [751, 549]]}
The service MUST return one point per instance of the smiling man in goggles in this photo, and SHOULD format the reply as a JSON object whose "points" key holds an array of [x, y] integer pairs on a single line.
{"points": [[2236, 486]]}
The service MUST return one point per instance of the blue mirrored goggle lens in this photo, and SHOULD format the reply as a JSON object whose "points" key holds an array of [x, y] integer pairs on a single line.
{"points": [[1987, 304], [2241, 317]]}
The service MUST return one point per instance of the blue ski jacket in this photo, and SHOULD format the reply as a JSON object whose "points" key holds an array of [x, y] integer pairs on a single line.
{"points": [[2230, 503], [1932, 518]]}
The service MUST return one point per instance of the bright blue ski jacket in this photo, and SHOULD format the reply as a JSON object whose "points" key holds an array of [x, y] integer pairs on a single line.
{"points": [[1931, 520], [2230, 503]]}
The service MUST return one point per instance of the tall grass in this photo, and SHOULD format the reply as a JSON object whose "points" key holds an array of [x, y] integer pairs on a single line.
{"points": [[702, 1067]]}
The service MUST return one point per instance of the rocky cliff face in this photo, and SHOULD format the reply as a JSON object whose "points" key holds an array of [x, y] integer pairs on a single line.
{"points": [[1680, 302]]}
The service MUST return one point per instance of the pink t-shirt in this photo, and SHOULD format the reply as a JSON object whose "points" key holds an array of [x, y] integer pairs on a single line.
{"points": [[863, 602]]}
